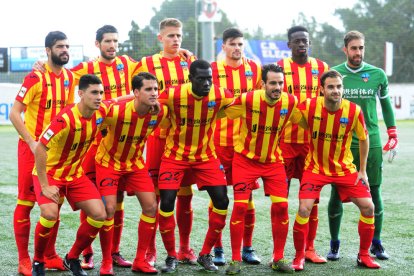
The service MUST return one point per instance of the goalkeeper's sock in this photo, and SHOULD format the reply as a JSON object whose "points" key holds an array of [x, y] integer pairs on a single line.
{"points": [[335, 211], [379, 210]]}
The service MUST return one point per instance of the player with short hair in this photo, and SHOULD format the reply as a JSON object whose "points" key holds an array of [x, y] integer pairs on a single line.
{"points": [[302, 79], [171, 69], [239, 75], [58, 171], [264, 113], [193, 109], [41, 97], [119, 162], [332, 120], [363, 83]]}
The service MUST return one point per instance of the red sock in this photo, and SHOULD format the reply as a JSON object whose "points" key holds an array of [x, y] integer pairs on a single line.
{"points": [[300, 233], [152, 246], [118, 226], [236, 228], [146, 227], [219, 241], [184, 216], [105, 236], [86, 234], [313, 227], [51, 246], [88, 249], [216, 223], [21, 223], [280, 227], [366, 230], [43, 232], [249, 221], [167, 230]]}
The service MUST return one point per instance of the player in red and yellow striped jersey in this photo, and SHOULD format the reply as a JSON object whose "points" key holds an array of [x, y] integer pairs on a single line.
{"points": [[194, 108], [41, 98], [59, 154], [302, 79], [119, 161], [239, 75], [331, 121], [171, 69], [116, 74], [264, 114]]}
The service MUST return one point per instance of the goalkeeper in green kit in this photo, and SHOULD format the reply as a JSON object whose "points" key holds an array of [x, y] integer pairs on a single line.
{"points": [[363, 84]]}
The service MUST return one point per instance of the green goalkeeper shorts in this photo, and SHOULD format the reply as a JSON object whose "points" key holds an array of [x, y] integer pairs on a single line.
{"points": [[374, 165]]}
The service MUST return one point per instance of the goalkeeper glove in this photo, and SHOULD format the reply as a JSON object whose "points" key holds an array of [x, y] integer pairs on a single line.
{"points": [[392, 143]]}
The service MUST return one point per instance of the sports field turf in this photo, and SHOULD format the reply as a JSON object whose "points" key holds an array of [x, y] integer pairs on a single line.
{"points": [[398, 230]]}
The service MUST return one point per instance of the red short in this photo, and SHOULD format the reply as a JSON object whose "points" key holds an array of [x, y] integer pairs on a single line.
{"points": [[246, 171], [80, 189], [88, 164], [225, 155], [207, 173], [155, 150], [25, 164], [109, 181], [311, 186], [294, 156]]}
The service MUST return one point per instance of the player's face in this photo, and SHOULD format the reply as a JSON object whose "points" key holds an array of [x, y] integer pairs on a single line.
{"points": [[171, 38], [92, 96], [108, 46], [233, 48], [202, 81], [332, 90], [273, 85], [148, 93], [59, 52], [355, 52], [299, 44]]}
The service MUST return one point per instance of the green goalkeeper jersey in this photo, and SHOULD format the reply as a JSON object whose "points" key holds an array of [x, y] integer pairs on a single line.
{"points": [[363, 86]]}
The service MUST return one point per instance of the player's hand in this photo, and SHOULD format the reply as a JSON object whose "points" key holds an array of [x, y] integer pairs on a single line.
{"points": [[363, 178], [391, 145], [51, 192], [184, 53], [155, 109], [39, 66]]}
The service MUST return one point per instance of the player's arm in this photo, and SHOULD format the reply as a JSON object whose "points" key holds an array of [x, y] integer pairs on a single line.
{"points": [[363, 156], [17, 121], [51, 192], [389, 119]]}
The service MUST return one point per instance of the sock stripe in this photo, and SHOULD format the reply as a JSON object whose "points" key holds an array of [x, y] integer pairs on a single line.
{"points": [[95, 223], [220, 212], [166, 214], [301, 220], [47, 223], [109, 222], [185, 191], [119, 206], [367, 220], [278, 199], [251, 205], [25, 203], [147, 218]]}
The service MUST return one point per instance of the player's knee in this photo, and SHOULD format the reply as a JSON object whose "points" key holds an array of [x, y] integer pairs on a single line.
{"points": [[367, 208], [49, 214], [110, 210], [150, 209], [304, 210]]}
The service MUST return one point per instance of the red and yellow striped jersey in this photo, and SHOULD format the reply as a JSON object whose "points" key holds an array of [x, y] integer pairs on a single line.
{"points": [[303, 81], [122, 147], [331, 136], [261, 124], [192, 122], [169, 73], [45, 95], [68, 138], [116, 77], [242, 79]]}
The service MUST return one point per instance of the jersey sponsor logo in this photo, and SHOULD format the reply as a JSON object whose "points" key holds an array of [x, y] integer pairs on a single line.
{"points": [[109, 88], [99, 121], [365, 77], [328, 136], [22, 91], [255, 111], [221, 76], [48, 134], [317, 118], [131, 139], [265, 129], [343, 122], [83, 144], [54, 103]]}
